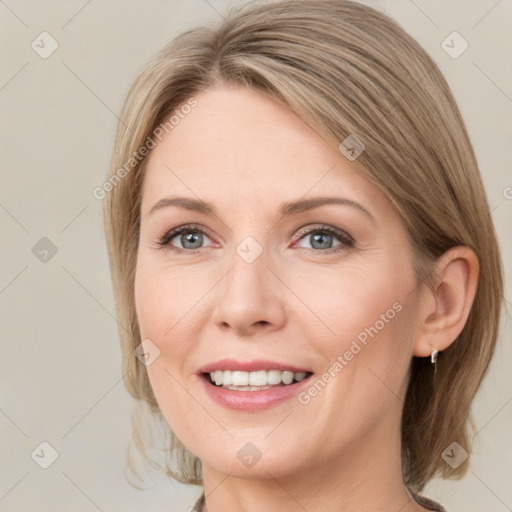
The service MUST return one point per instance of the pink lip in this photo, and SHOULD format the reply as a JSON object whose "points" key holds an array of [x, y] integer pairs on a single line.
{"points": [[251, 400], [249, 366]]}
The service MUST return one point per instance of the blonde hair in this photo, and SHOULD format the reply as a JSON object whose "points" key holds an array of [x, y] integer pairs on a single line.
{"points": [[345, 69]]}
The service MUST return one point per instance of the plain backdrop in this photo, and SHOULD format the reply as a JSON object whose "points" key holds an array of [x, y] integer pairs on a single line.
{"points": [[60, 366]]}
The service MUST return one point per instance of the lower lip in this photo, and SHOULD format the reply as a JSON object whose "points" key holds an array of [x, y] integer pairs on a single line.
{"points": [[252, 400]]}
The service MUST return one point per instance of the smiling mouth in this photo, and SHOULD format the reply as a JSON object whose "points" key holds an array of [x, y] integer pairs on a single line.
{"points": [[254, 381]]}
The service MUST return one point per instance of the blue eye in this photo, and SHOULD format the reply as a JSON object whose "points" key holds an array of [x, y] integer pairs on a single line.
{"points": [[191, 238], [322, 237]]}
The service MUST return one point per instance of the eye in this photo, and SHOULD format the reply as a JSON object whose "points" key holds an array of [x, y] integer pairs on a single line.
{"points": [[189, 236], [321, 239]]}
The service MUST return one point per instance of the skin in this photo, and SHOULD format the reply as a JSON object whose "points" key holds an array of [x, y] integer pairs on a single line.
{"points": [[296, 303]]}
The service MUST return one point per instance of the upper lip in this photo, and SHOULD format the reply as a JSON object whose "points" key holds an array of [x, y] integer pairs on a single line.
{"points": [[250, 366]]}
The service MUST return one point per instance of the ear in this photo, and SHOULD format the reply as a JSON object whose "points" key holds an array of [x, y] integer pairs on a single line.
{"points": [[445, 310]]}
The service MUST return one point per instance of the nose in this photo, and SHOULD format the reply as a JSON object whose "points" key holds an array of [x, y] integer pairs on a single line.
{"points": [[250, 299]]}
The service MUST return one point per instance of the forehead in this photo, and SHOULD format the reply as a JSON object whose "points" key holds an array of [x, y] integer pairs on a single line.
{"points": [[243, 147]]}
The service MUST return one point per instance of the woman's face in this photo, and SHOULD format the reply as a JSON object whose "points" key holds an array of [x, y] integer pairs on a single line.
{"points": [[257, 286]]}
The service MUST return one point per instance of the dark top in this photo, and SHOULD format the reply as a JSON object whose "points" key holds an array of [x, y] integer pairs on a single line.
{"points": [[422, 500]]}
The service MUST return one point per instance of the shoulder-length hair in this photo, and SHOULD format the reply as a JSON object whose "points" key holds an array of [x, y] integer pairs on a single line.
{"points": [[345, 69]]}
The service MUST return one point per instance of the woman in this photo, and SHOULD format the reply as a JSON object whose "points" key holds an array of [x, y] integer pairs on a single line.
{"points": [[306, 272]]}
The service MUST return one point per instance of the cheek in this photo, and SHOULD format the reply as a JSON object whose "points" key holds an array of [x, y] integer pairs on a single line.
{"points": [[364, 342], [351, 299], [159, 309], [364, 319], [167, 302], [166, 299], [166, 306], [179, 408]]}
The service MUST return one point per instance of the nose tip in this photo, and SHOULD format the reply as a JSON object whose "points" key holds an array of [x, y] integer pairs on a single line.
{"points": [[249, 301], [242, 324]]}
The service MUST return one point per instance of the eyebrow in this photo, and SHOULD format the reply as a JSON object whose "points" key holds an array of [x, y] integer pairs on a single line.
{"points": [[285, 210]]}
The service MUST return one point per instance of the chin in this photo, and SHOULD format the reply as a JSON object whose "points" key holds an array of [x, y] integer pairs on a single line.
{"points": [[259, 459]]}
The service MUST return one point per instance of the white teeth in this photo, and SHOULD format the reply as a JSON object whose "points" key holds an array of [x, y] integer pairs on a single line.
{"points": [[273, 377], [227, 378], [239, 379], [287, 377], [220, 377], [254, 381], [257, 378]]}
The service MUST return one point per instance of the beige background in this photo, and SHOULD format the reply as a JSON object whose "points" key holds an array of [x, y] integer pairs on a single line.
{"points": [[60, 357]]}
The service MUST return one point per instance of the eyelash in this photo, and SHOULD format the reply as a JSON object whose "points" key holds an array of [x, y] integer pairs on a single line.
{"points": [[345, 239]]}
